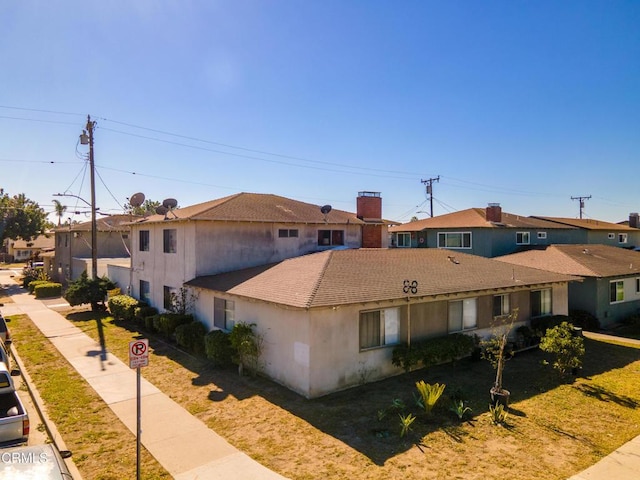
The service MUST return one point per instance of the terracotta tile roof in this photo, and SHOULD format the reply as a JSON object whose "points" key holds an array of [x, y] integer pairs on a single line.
{"points": [[585, 260], [340, 277], [589, 224], [476, 218], [256, 207]]}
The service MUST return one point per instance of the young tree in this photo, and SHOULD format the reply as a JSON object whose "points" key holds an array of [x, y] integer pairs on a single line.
{"points": [[85, 290], [567, 347], [20, 217], [147, 208]]}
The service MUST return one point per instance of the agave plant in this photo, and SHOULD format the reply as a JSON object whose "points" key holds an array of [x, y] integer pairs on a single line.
{"points": [[459, 408], [430, 394], [405, 423]]}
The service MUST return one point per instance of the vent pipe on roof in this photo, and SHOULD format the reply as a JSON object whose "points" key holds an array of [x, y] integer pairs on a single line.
{"points": [[494, 213]]}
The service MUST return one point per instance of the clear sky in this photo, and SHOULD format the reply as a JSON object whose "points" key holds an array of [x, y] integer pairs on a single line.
{"points": [[522, 103]]}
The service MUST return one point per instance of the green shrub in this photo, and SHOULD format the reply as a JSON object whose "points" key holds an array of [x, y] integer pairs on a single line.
{"points": [[33, 284], [567, 347], [49, 289], [429, 394], [434, 351], [143, 311], [29, 274], [247, 346], [166, 323], [85, 290], [218, 348], [191, 336], [122, 307]]}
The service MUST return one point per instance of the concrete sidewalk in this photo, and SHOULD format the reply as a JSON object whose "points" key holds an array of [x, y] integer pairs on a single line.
{"points": [[181, 443]]}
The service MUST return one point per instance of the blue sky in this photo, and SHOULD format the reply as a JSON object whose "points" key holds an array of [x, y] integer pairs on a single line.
{"points": [[525, 104]]}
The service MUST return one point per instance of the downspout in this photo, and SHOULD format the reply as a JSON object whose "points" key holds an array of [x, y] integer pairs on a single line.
{"points": [[408, 323]]}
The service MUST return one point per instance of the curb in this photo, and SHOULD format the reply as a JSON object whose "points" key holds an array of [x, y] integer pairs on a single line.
{"points": [[49, 426]]}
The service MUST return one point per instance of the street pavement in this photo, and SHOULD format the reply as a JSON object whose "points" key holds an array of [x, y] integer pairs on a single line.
{"points": [[183, 445]]}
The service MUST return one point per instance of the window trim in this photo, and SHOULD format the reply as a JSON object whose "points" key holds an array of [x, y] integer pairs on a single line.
{"points": [[388, 328], [623, 238], [462, 318], [522, 236], [611, 235], [542, 235], [619, 290], [463, 235], [404, 235], [335, 238], [288, 233], [505, 307], [542, 314]]}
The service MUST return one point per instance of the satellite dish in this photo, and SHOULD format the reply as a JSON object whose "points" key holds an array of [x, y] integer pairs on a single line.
{"points": [[325, 209], [169, 203], [162, 210], [136, 199]]}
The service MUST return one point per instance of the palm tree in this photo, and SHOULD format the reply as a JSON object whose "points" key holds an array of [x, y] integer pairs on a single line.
{"points": [[59, 209]]}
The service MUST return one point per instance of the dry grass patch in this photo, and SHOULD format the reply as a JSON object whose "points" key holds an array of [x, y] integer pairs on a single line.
{"points": [[553, 431], [103, 448]]}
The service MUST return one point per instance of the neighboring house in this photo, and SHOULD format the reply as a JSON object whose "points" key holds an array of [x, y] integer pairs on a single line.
{"points": [[240, 231], [330, 319], [611, 287], [73, 246], [604, 233], [488, 232], [22, 250]]}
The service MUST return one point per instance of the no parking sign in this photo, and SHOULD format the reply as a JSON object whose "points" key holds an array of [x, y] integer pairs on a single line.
{"points": [[139, 353]]}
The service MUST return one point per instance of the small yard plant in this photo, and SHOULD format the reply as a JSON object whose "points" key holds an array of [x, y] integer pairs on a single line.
{"points": [[405, 423], [429, 394], [459, 408], [498, 414], [567, 347]]}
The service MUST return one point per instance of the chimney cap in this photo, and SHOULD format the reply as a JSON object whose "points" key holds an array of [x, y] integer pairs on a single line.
{"points": [[368, 194], [494, 205]]}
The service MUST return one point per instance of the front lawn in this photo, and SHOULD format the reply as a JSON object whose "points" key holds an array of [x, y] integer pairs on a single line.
{"points": [[554, 429]]}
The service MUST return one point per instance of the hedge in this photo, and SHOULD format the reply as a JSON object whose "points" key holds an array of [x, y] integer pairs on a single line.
{"points": [[218, 348], [34, 283], [143, 311], [167, 323], [122, 307], [434, 351], [191, 336], [49, 289]]}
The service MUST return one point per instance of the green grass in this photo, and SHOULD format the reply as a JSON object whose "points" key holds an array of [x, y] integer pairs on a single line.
{"points": [[103, 448], [555, 428]]}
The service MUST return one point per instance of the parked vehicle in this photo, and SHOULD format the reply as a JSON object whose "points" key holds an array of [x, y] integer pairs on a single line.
{"points": [[5, 334], [42, 462], [14, 420], [5, 355]]}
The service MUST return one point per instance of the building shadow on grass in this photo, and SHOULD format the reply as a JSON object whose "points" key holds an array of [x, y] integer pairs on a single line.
{"points": [[366, 418]]}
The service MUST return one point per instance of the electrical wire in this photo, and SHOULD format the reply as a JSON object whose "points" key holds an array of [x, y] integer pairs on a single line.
{"points": [[110, 193]]}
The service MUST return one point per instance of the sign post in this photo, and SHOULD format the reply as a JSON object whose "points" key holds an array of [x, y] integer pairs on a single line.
{"points": [[138, 357]]}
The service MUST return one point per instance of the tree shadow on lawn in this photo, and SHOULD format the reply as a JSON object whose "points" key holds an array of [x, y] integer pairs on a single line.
{"points": [[352, 416]]}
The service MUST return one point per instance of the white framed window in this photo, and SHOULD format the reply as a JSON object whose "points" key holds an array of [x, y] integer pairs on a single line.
{"points": [[454, 239], [288, 233], [616, 291], [145, 291], [541, 302], [611, 236], [622, 238], [404, 240], [501, 305], [637, 286], [379, 328], [463, 315], [542, 235], [523, 238]]}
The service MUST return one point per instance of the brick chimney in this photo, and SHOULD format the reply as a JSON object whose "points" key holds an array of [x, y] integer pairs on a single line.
{"points": [[369, 210], [634, 220], [494, 213]]}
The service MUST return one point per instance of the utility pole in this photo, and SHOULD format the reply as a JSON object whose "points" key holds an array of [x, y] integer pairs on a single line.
{"points": [[87, 138], [582, 199], [429, 184]]}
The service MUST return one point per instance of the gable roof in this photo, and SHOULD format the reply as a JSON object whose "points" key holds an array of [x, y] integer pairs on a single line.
{"points": [[588, 224], [476, 218], [341, 277], [256, 207], [584, 260], [41, 241]]}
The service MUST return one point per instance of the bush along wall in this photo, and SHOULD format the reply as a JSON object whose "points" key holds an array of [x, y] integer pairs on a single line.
{"points": [[218, 348], [191, 336], [434, 351], [49, 289], [167, 323], [122, 307]]}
